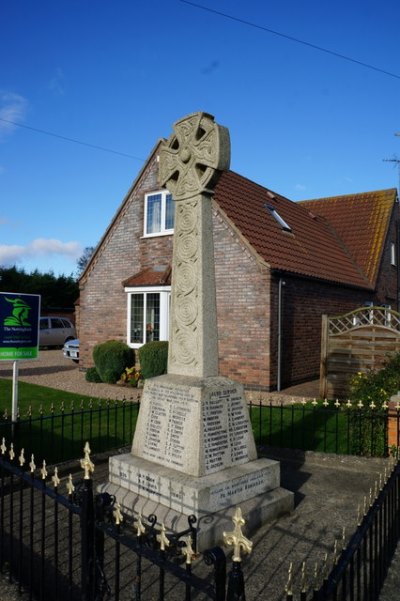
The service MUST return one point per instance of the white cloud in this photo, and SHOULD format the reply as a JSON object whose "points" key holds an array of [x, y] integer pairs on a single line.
{"points": [[13, 107], [41, 247], [300, 187]]}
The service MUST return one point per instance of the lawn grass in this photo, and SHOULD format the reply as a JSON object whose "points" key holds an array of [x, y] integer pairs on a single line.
{"points": [[54, 425], [314, 427]]}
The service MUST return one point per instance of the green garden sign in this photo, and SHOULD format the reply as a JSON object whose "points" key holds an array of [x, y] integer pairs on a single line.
{"points": [[19, 326], [19, 334]]}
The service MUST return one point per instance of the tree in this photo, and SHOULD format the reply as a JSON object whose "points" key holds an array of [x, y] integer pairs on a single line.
{"points": [[56, 291], [84, 259]]}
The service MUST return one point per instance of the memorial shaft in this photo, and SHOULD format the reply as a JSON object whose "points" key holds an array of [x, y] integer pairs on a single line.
{"points": [[191, 161], [193, 348]]}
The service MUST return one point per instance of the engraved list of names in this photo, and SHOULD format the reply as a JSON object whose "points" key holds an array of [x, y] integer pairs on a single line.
{"points": [[168, 425], [226, 428]]}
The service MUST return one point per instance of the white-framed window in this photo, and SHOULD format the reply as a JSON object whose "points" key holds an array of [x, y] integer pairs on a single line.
{"points": [[159, 213], [393, 258], [148, 314]]}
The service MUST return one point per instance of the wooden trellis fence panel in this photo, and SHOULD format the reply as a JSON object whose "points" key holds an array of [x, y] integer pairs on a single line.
{"points": [[355, 342]]}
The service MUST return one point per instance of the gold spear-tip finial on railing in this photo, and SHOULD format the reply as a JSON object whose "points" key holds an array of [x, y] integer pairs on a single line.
{"points": [[289, 583], [139, 526], [11, 452], [304, 583], [70, 485], [21, 458], [117, 513], [86, 464], [187, 549], [162, 538], [236, 537], [3, 447], [32, 465], [43, 470], [55, 479]]}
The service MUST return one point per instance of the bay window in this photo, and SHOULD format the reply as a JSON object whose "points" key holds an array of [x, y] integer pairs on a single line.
{"points": [[148, 314]]}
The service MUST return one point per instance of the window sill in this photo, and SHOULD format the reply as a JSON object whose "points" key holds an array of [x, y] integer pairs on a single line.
{"points": [[158, 234]]}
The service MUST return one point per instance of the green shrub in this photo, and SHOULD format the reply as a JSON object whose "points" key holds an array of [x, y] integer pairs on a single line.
{"points": [[368, 422], [377, 386], [92, 375], [111, 358], [153, 357]]}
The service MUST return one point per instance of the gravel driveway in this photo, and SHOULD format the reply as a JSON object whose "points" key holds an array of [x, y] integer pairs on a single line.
{"points": [[53, 370]]}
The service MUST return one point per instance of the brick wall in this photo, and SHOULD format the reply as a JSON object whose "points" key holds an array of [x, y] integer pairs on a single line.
{"points": [[243, 288], [304, 303], [123, 252], [387, 284]]}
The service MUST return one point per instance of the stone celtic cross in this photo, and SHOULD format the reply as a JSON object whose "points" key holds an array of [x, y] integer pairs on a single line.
{"points": [[191, 161]]}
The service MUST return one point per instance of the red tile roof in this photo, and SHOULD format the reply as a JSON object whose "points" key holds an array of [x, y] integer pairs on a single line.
{"points": [[314, 247], [361, 221], [158, 275]]}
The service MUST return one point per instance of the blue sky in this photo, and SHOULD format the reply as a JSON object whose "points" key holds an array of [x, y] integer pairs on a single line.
{"points": [[118, 74]]}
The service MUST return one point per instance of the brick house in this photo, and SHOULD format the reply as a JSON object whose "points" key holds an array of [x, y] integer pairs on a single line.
{"points": [[279, 266]]}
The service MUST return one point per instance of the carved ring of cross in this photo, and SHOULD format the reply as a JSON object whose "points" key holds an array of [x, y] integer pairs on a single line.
{"points": [[192, 155]]}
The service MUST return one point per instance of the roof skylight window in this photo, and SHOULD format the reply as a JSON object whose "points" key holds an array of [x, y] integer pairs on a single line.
{"points": [[278, 218]]}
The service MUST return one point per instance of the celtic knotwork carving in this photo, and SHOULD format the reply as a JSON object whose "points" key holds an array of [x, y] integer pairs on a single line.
{"points": [[193, 155]]}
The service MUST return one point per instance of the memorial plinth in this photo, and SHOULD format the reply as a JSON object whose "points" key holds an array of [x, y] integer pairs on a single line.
{"points": [[193, 451]]}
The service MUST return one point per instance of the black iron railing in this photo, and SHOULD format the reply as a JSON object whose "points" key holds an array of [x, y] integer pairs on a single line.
{"points": [[360, 567], [60, 436], [327, 427], [79, 546]]}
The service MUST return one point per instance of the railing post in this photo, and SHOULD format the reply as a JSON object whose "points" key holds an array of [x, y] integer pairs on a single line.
{"points": [[87, 528], [240, 544], [393, 434], [103, 506], [87, 539], [236, 590], [217, 558]]}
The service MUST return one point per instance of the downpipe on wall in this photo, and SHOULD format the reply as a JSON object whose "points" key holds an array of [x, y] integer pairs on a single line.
{"points": [[281, 283]]}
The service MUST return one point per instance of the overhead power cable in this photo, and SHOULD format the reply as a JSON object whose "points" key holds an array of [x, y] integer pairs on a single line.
{"points": [[291, 38], [60, 137]]}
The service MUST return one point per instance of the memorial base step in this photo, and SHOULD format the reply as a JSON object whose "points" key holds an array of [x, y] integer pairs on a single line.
{"points": [[140, 486]]}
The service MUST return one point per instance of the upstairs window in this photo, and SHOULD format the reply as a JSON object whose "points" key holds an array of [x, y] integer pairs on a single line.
{"points": [[159, 212]]}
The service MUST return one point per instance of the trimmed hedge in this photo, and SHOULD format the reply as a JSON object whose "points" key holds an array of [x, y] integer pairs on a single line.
{"points": [[153, 357], [111, 358], [92, 375]]}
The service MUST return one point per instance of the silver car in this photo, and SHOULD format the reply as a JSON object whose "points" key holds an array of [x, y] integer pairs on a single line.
{"points": [[71, 350], [55, 331]]}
